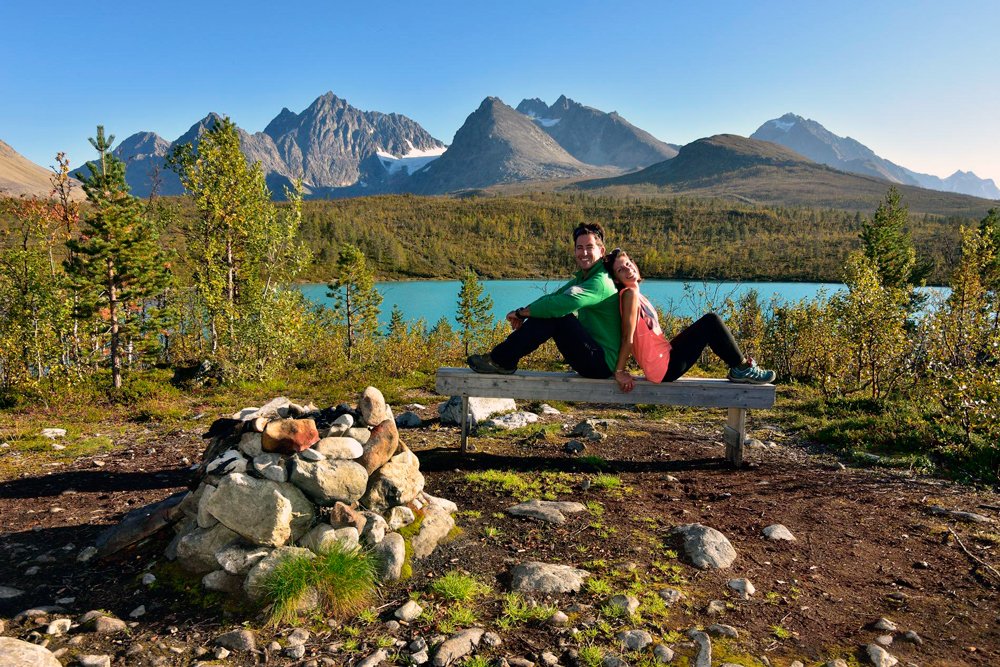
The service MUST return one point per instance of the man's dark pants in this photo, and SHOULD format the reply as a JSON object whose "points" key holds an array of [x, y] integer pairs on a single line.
{"points": [[576, 345]]}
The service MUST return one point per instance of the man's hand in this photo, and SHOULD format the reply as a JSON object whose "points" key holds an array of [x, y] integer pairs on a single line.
{"points": [[625, 381], [515, 321]]}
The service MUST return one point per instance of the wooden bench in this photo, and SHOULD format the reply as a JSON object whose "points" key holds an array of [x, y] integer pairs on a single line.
{"points": [[540, 386]]}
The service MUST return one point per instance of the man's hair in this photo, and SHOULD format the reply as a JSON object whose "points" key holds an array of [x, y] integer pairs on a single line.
{"points": [[589, 228]]}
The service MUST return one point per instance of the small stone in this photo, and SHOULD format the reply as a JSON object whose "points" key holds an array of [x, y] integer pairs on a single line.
{"points": [[663, 654], [671, 596], [778, 532], [913, 637], [8, 592], [221, 652], [634, 640], [743, 587], [548, 659], [108, 625], [715, 608], [86, 554], [409, 611], [312, 455], [720, 630], [94, 660], [137, 612], [237, 640], [491, 640], [574, 447], [148, 579], [558, 619], [58, 627], [884, 625], [879, 657], [376, 658], [53, 433], [295, 651], [613, 661], [626, 603], [884, 640], [922, 565]]}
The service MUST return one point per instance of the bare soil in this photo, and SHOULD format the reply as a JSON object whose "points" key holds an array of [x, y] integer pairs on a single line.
{"points": [[867, 547]]}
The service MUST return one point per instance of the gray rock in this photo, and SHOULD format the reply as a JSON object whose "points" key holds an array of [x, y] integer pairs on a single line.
{"points": [[257, 574], [94, 660], [311, 455], [836, 662], [663, 654], [53, 433], [879, 656], [613, 661], [409, 611], [196, 550], [777, 531], [546, 510], [706, 547], [480, 409], [325, 537], [8, 592], [720, 630], [250, 444], [339, 448], [238, 559], [547, 409], [345, 421], [400, 516], [109, 625], [203, 516], [329, 481], [743, 587], [294, 651], [634, 640], [262, 511], [270, 466], [715, 608], [222, 581], [547, 578], [512, 420], [457, 646], [884, 640], [884, 625], [626, 603], [298, 637], [397, 482], [547, 658], [237, 640], [58, 627], [390, 554], [574, 447], [138, 612], [409, 420], [704, 655], [86, 554], [969, 517], [912, 636], [441, 503], [360, 433], [558, 619], [376, 658], [374, 530], [671, 596], [435, 527], [420, 657], [231, 461]]}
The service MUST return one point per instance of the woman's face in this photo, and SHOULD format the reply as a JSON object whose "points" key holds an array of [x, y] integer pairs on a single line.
{"points": [[625, 270]]}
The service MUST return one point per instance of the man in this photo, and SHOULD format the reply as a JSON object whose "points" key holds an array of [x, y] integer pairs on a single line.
{"points": [[582, 318]]}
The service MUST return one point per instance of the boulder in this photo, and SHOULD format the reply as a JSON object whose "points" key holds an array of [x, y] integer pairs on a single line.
{"points": [[381, 446], [345, 515], [329, 481], [325, 537], [395, 483], [288, 436], [251, 444], [17, 653], [390, 554], [409, 420], [372, 405], [435, 527], [339, 448], [547, 578], [457, 646], [238, 558], [262, 511], [196, 550], [706, 547], [271, 466]]}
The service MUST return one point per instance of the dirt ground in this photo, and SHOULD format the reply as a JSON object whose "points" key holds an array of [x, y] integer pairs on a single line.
{"points": [[868, 545]]}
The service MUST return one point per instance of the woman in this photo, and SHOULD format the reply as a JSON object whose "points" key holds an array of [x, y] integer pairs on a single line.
{"points": [[662, 360]]}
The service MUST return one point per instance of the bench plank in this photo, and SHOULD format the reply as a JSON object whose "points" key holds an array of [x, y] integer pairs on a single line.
{"points": [[539, 385]]}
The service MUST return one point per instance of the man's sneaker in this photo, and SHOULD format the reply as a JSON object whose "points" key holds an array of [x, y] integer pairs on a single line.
{"points": [[483, 363], [753, 374]]}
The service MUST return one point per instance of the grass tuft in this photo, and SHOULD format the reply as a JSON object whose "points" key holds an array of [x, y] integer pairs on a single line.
{"points": [[458, 586], [339, 583]]}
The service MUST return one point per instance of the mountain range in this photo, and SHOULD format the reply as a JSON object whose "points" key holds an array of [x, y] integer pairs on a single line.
{"points": [[809, 138], [339, 150], [20, 176]]}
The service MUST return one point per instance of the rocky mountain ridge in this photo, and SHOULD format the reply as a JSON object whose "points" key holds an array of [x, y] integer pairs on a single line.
{"points": [[811, 139]]}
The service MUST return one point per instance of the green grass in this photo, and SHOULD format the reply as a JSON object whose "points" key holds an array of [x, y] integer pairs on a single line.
{"points": [[343, 581], [606, 482], [597, 586], [458, 587], [518, 611], [590, 656], [523, 486]]}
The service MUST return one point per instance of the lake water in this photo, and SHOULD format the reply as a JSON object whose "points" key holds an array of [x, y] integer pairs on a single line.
{"points": [[432, 299]]}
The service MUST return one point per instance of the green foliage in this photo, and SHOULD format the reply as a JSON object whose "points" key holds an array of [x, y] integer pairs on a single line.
{"points": [[522, 486], [474, 314], [590, 656], [117, 264], [357, 300], [243, 253], [458, 586], [517, 610], [340, 581], [606, 482]]}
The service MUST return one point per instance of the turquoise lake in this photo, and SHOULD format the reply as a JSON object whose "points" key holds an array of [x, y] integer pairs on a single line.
{"points": [[432, 299]]}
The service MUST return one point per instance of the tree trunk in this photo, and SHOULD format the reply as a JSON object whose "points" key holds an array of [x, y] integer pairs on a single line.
{"points": [[116, 355]]}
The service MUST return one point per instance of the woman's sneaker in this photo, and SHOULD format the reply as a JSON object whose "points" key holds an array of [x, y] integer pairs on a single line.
{"points": [[752, 374], [483, 363]]}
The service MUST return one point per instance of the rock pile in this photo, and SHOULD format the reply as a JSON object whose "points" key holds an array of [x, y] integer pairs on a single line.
{"points": [[288, 479]]}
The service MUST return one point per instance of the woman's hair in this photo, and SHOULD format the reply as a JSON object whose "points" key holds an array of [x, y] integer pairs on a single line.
{"points": [[589, 228], [609, 265]]}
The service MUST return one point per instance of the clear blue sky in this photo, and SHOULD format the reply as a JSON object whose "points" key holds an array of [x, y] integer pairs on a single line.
{"points": [[916, 81]]}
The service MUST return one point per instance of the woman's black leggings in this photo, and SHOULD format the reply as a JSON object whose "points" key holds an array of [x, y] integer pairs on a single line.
{"points": [[687, 346]]}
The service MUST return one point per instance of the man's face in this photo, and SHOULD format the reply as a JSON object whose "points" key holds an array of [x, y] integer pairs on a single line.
{"points": [[589, 251]]}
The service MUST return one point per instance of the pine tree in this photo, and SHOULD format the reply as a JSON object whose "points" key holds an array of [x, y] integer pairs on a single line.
{"points": [[357, 300], [397, 325], [474, 310], [117, 259], [888, 244]]}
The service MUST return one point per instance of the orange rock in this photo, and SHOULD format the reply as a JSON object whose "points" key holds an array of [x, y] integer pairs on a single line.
{"points": [[380, 447], [288, 436]]}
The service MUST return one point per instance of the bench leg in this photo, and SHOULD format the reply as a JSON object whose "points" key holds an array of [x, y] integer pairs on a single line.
{"points": [[734, 433], [465, 424]]}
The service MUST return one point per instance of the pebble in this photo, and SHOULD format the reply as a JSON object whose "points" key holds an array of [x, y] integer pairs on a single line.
{"points": [[60, 626], [715, 608], [409, 611], [720, 630], [295, 652], [884, 625], [912, 636], [94, 661], [663, 654]]}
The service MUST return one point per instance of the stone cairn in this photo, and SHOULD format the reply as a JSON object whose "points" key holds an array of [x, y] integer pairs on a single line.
{"points": [[286, 479]]}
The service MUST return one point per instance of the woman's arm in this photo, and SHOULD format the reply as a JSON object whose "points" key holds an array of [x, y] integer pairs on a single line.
{"points": [[630, 315]]}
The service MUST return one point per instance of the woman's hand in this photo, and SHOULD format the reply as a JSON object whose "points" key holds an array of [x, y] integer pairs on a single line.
{"points": [[625, 381]]}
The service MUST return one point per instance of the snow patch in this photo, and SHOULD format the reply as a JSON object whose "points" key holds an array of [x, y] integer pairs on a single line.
{"points": [[784, 126], [547, 122], [414, 159]]}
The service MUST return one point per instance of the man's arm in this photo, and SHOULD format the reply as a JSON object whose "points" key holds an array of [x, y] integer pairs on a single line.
{"points": [[570, 298]]}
